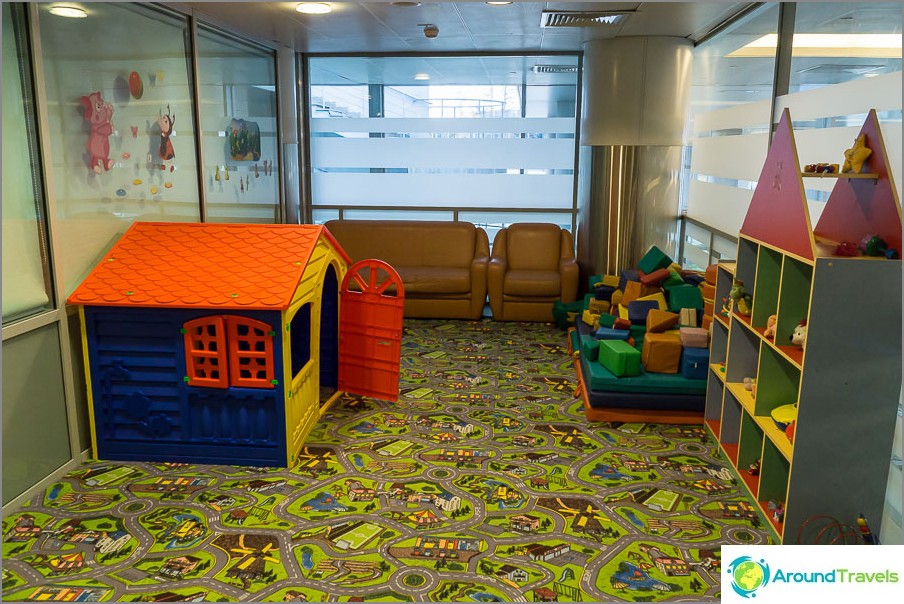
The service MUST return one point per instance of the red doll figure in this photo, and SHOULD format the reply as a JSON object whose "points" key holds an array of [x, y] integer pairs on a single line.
{"points": [[99, 114]]}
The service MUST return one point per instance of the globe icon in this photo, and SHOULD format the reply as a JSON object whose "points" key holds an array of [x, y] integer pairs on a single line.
{"points": [[749, 575]]}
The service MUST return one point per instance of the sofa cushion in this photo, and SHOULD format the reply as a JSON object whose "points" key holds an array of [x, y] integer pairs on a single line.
{"points": [[532, 283], [407, 243], [435, 279], [533, 246]]}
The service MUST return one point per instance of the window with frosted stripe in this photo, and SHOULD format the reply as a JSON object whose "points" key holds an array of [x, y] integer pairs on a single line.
{"points": [[470, 134]]}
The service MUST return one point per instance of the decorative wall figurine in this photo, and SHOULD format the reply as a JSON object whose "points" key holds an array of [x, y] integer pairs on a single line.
{"points": [[166, 123], [216, 175], [99, 115], [226, 168], [244, 140], [256, 173]]}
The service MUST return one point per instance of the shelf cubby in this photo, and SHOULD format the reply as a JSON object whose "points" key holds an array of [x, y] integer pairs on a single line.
{"points": [[730, 426], [778, 382], [745, 267], [743, 354], [713, 405], [773, 484], [750, 449], [724, 279], [768, 277], [718, 344], [794, 304]]}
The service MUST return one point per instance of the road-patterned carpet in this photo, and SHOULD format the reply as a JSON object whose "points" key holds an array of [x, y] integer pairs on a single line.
{"points": [[483, 483]]}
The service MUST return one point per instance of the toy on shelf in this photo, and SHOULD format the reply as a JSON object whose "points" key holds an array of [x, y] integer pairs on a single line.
{"points": [[754, 468], [856, 155], [741, 299], [750, 386], [865, 532], [876, 247], [789, 431], [821, 168], [727, 303], [848, 249], [778, 510], [770, 327], [799, 336], [784, 415]]}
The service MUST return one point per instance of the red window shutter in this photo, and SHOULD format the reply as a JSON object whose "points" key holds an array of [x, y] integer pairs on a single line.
{"points": [[205, 352], [250, 353]]}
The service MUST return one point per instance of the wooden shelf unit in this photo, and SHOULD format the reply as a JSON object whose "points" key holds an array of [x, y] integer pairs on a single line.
{"points": [[846, 381]]}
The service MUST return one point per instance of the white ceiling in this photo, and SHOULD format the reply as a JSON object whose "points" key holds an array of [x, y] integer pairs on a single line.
{"points": [[380, 27]]}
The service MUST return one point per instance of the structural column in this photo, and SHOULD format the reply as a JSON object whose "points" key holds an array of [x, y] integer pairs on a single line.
{"points": [[634, 107]]}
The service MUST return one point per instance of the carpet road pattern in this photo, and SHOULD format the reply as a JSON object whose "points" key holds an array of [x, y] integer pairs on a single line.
{"points": [[484, 482]]}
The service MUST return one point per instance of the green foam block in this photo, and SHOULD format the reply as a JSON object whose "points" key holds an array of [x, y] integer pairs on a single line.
{"points": [[685, 296], [654, 260], [619, 357]]}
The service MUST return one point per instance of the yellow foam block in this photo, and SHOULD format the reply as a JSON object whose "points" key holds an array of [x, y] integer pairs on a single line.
{"points": [[617, 297], [590, 318], [658, 298], [598, 307], [611, 280], [675, 267], [622, 311]]}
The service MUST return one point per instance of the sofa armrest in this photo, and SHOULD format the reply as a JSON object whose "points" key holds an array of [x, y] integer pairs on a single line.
{"points": [[496, 269], [479, 272], [569, 275]]}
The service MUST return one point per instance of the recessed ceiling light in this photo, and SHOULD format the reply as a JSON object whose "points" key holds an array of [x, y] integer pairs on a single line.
{"points": [[497, 3], [422, 76], [405, 4], [73, 12], [314, 8]]}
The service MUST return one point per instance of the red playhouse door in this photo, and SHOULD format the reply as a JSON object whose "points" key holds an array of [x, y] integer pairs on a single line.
{"points": [[370, 330]]}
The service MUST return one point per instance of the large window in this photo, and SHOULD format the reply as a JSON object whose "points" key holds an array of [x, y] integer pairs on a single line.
{"points": [[486, 139], [238, 129]]}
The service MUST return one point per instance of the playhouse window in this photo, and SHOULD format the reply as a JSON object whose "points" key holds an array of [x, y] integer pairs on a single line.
{"points": [[205, 352], [223, 351]]}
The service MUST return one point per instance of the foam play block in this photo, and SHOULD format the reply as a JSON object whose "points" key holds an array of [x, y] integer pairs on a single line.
{"points": [[597, 280], [659, 321], [590, 348], [639, 309], [661, 352], [685, 296], [587, 299], [656, 277], [632, 291], [674, 279], [616, 299], [693, 278], [607, 320], [710, 275], [637, 334], [708, 290], [707, 308], [603, 292], [656, 297], [623, 312], [694, 363], [598, 307], [607, 333], [622, 324], [629, 274], [688, 317], [590, 318], [694, 337], [674, 266], [707, 322], [619, 357], [653, 260]]}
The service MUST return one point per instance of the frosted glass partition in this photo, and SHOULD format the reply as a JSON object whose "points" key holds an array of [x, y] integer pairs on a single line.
{"points": [[238, 129], [132, 156], [826, 121], [26, 275], [480, 133], [728, 132]]}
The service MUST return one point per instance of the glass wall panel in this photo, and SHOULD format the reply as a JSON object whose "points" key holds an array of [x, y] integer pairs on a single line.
{"points": [[35, 429], [119, 105], [238, 129], [26, 272], [728, 132], [442, 133]]}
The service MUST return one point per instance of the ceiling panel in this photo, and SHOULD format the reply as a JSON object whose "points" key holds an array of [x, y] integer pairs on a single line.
{"points": [[463, 26]]}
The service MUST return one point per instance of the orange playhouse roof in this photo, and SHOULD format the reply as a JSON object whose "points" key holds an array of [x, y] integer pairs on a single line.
{"points": [[188, 265]]}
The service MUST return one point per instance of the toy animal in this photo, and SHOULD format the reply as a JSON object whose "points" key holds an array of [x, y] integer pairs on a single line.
{"points": [[750, 386], [770, 327], [799, 337], [856, 155], [166, 123], [742, 300], [754, 468], [99, 115]]}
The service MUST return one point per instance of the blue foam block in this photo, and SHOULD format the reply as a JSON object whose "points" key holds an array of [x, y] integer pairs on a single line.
{"points": [[694, 363], [607, 333], [604, 292], [639, 309], [629, 274]]}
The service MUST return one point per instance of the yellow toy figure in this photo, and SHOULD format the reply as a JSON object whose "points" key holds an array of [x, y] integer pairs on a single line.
{"points": [[856, 155]]}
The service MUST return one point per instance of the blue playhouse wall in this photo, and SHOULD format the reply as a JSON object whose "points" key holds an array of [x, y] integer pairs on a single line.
{"points": [[144, 410]]}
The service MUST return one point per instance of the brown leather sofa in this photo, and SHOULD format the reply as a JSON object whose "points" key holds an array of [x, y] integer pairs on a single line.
{"points": [[442, 264], [532, 266]]}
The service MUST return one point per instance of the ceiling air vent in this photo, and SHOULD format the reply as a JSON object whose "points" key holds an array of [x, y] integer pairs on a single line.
{"points": [[572, 18], [554, 68]]}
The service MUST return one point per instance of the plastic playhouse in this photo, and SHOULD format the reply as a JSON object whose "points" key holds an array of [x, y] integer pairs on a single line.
{"points": [[210, 343]]}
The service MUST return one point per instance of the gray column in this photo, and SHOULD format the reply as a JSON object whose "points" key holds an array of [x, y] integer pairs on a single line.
{"points": [[635, 93]]}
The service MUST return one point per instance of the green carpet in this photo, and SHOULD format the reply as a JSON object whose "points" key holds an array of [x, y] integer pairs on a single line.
{"points": [[483, 483]]}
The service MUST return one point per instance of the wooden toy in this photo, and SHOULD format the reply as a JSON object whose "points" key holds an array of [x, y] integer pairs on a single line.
{"points": [[218, 343]]}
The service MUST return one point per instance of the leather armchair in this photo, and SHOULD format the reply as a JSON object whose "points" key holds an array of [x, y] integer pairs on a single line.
{"points": [[531, 267]]}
